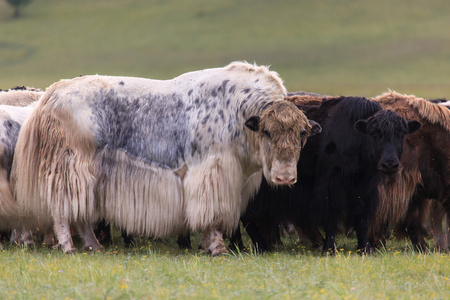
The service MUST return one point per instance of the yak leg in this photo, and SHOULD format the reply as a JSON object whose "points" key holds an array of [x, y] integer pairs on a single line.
{"points": [[49, 237], [363, 206], [440, 223], [330, 197], [310, 235], [85, 230], [378, 235], [62, 230], [103, 232], [128, 239], [414, 221], [236, 242], [212, 242], [184, 241], [447, 229], [258, 239], [15, 236], [361, 227], [26, 237], [330, 235], [21, 237]]}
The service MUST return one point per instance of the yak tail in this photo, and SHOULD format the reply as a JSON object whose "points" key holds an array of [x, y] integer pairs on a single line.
{"points": [[51, 173]]}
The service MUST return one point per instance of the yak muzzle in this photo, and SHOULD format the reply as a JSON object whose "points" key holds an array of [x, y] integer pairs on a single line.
{"points": [[390, 166], [283, 173]]}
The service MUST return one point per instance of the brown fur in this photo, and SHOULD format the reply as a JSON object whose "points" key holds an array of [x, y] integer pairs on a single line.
{"points": [[425, 149], [440, 226], [285, 129], [306, 99]]}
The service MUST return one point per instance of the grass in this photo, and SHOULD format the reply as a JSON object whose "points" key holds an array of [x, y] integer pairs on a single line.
{"points": [[155, 270], [330, 47], [343, 47]]}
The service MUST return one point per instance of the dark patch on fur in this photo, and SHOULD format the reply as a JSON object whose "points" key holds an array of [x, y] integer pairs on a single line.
{"points": [[222, 116], [205, 119], [9, 140], [151, 128]]}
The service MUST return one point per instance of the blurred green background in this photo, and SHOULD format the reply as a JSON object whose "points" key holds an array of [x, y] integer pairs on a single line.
{"points": [[333, 47]]}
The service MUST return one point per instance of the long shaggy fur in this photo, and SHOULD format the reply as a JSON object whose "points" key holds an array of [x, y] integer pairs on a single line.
{"points": [[396, 194], [81, 171], [207, 186], [63, 170], [11, 119], [124, 190], [436, 114]]}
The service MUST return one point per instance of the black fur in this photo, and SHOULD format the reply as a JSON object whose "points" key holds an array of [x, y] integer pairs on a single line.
{"points": [[338, 174]]}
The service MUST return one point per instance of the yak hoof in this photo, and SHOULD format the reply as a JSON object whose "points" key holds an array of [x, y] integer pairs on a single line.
{"points": [[71, 251], [27, 243], [365, 250], [217, 248], [68, 250], [89, 248], [219, 251]]}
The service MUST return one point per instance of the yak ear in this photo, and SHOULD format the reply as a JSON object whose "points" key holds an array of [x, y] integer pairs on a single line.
{"points": [[413, 126], [315, 127], [253, 123], [361, 126]]}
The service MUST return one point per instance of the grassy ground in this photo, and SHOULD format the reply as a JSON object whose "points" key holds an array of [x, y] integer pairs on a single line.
{"points": [[335, 47], [156, 270], [332, 47]]}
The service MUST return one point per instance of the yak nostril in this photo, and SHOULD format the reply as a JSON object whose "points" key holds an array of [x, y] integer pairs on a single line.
{"points": [[390, 166], [292, 181], [285, 180]]}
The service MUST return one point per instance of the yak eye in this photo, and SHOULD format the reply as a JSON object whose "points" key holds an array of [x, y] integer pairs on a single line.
{"points": [[266, 133], [377, 134], [303, 133]]}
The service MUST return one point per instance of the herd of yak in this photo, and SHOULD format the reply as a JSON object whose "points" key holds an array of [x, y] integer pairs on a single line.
{"points": [[212, 148]]}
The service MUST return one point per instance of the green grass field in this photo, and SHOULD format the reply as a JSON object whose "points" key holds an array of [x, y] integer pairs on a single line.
{"points": [[155, 270], [331, 47]]}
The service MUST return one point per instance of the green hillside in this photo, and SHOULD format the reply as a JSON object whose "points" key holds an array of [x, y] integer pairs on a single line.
{"points": [[334, 47]]}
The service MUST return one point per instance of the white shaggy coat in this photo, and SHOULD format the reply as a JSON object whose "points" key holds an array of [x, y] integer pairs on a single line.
{"points": [[155, 157]]}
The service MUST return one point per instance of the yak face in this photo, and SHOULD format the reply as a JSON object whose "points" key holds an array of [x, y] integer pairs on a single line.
{"points": [[281, 132], [388, 130]]}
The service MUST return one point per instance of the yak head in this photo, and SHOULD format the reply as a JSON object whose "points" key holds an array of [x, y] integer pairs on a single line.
{"points": [[388, 130], [281, 132]]}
